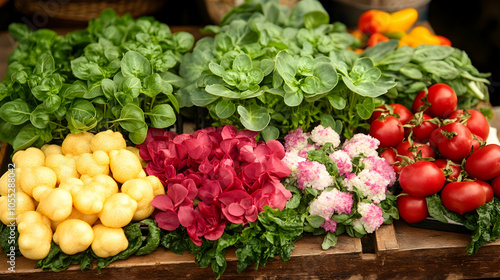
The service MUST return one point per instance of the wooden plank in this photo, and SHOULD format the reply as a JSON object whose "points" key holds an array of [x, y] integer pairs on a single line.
{"points": [[431, 254], [308, 261]]}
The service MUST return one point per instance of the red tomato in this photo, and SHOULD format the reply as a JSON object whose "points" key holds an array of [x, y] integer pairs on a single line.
{"points": [[495, 184], [422, 178], [388, 131], [455, 141], [476, 142], [408, 150], [390, 156], [442, 98], [476, 122], [462, 197], [488, 190], [451, 170], [398, 110], [422, 132], [484, 164], [412, 209]]}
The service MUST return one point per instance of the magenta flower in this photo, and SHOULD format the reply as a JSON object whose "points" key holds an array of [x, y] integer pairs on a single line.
{"points": [[238, 207]]}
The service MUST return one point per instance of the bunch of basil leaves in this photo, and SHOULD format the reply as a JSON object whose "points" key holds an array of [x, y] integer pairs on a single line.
{"points": [[119, 73], [272, 69]]}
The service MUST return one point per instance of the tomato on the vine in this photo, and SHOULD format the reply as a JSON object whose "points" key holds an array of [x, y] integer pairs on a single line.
{"points": [[422, 178], [476, 122], [422, 132], [454, 141], [412, 209], [388, 131], [399, 111], [462, 197], [442, 98], [495, 184], [390, 156], [484, 164], [488, 190], [452, 170], [412, 149]]}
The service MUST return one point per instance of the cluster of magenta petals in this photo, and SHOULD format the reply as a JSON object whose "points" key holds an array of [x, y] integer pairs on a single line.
{"points": [[213, 177]]}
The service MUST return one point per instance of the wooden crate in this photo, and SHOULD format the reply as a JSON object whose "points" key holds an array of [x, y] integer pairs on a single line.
{"points": [[419, 253], [308, 261]]}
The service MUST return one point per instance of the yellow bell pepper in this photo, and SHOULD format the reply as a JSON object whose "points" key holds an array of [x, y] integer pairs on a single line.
{"points": [[419, 35], [402, 20]]}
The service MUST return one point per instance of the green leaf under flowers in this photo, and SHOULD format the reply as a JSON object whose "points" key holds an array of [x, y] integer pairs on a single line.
{"points": [[315, 220], [365, 108], [222, 91], [337, 101], [329, 241], [15, 112], [225, 109], [131, 118], [254, 117], [200, 97], [293, 99], [270, 132], [162, 116]]}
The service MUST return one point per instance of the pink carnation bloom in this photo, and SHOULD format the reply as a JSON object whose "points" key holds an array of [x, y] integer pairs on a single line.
{"points": [[296, 140], [343, 161], [382, 166], [330, 202], [361, 144], [372, 184], [321, 135], [329, 225], [313, 174], [291, 160], [372, 217]]}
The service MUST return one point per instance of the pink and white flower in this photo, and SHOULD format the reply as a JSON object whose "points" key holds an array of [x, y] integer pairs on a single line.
{"points": [[371, 216], [314, 175], [321, 135], [330, 202], [361, 145], [343, 161]]}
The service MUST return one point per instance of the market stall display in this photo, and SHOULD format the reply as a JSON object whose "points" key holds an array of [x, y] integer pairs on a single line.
{"points": [[312, 132]]}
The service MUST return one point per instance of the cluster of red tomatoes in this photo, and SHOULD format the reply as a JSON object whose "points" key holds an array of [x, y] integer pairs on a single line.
{"points": [[436, 148]]}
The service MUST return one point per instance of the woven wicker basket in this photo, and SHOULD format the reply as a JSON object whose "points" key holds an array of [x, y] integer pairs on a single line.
{"points": [[84, 10], [218, 8]]}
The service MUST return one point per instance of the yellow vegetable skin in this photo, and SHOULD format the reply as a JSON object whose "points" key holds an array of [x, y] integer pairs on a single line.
{"points": [[77, 144], [35, 235], [89, 199], [158, 187], [32, 177], [71, 183], [51, 149], [63, 166], [402, 20], [124, 165], [20, 203], [11, 177], [107, 141], [75, 214], [141, 191], [30, 157], [108, 241], [93, 164], [136, 150], [118, 210], [105, 181], [73, 236], [55, 204]]}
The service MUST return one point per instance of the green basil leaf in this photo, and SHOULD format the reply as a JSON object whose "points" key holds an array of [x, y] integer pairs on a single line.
{"points": [[52, 103], [329, 241], [45, 65], [254, 117], [315, 18], [82, 116], [162, 116], [15, 112], [153, 85], [183, 41], [225, 109], [424, 53], [81, 68], [441, 69], [315, 220], [139, 135], [135, 64], [216, 69], [266, 65], [76, 90], [222, 91], [93, 91], [26, 137], [131, 86], [131, 118], [40, 117], [109, 88]]}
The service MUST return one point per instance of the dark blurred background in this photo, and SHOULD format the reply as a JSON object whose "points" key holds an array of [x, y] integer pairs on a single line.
{"points": [[473, 26]]}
